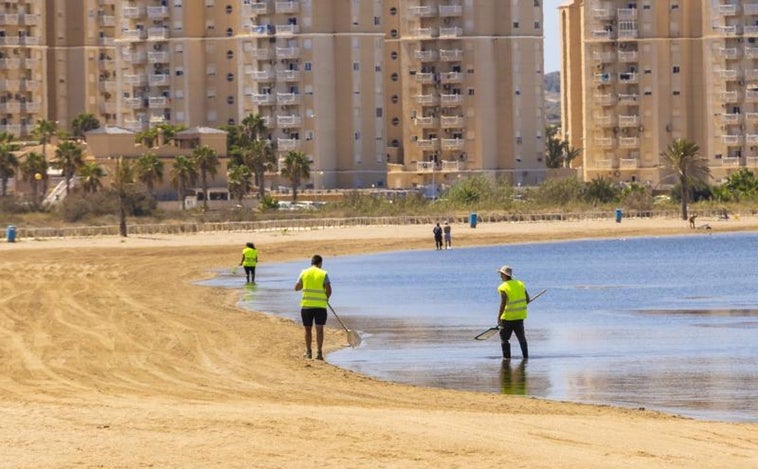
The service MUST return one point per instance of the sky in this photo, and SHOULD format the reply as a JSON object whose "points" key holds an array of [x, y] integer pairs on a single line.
{"points": [[552, 35]]}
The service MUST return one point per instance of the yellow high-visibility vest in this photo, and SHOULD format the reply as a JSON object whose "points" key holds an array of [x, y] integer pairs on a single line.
{"points": [[251, 257], [515, 308], [314, 290]]}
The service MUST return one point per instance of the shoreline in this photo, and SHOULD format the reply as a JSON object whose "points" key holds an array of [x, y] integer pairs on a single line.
{"points": [[114, 358]]}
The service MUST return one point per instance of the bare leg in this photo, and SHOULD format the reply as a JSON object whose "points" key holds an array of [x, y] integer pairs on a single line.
{"points": [[319, 341], [309, 340]]}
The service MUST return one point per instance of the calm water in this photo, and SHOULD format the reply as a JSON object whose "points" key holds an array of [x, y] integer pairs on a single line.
{"points": [[666, 323]]}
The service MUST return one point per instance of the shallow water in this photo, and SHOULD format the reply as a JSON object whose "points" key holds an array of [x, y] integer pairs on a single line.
{"points": [[665, 323]]}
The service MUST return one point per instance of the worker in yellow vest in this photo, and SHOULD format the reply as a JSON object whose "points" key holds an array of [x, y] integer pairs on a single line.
{"points": [[249, 261], [512, 311], [316, 287]]}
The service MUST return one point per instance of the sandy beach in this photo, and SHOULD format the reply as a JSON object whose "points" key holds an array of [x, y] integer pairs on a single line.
{"points": [[112, 357]]}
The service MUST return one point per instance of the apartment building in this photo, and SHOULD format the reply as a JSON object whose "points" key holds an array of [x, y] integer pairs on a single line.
{"points": [[379, 93], [638, 74]]}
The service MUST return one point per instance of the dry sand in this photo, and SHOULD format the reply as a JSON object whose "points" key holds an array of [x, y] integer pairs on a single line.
{"points": [[111, 357]]}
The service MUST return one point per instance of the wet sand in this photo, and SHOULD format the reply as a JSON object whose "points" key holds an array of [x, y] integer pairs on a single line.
{"points": [[111, 357]]}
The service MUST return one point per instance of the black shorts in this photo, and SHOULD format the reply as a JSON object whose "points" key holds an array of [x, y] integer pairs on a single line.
{"points": [[310, 315]]}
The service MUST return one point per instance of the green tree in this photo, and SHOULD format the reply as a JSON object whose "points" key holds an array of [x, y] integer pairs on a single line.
{"points": [[44, 131], [123, 179], [260, 157], [206, 162], [149, 170], [296, 167], [683, 157], [554, 147], [249, 146], [8, 164], [742, 184], [91, 175], [68, 158], [83, 123], [602, 190], [183, 176], [34, 171], [238, 181]]}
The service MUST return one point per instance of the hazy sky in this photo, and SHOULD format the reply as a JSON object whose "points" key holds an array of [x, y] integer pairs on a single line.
{"points": [[552, 36]]}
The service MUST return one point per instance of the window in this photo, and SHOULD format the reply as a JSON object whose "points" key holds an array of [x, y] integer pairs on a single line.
{"points": [[676, 69], [228, 9], [394, 77], [356, 66], [676, 93], [393, 33], [307, 66], [229, 77], [230, 99], [230, 54], [536, 25], [515, 24], [393, 11]]}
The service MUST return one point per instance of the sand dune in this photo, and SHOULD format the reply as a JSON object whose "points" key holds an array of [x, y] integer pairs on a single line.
{"points": [[111, 357]]}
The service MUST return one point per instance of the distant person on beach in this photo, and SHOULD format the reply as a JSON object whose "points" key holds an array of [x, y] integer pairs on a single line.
{"points": [[448, 236], [512, 311], [316, 287], [249, 261], [437, 236], [692, 220]]}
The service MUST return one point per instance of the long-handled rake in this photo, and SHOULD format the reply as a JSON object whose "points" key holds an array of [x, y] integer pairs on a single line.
{"points": [[352, 337], [493, 330]]}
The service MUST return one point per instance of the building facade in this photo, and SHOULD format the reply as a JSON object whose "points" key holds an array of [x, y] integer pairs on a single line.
{"points": [[375, 92], [637, 75]]}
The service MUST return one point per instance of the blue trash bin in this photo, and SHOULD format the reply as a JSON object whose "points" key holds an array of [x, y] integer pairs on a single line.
{"points": [[472, 220], [619, 214], [10, 234]]}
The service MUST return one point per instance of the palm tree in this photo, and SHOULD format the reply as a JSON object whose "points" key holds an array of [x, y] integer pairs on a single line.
{"points": [[238, 181], [206, 162], [34, 170], [43, 132], [253, 127], [149, 170], [83, 123], [122, 179], [570, 154], [68, 158], [682, 156], [554, 147], [259, 156], [8, 164], [296, 168], [92, 175], [183, 175]]}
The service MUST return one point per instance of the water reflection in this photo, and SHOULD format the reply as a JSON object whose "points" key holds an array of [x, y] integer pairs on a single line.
{"points": [[513, 377]]}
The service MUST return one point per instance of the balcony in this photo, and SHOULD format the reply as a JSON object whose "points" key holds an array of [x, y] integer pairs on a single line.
{"points": [[13, 107], [10, 85], [426, 99], [135, 58], [603, 78], [135, 125], [729, 52], [603, 99], [157, 34], [159, 79], [260, 54], [108, 108], [260, 75], [287, 99], [628, 33], [32, 107], [727, 75], [421, 11], [447, 11], [628, 98], [603, 120], [425, 78], [257, 8], [157, 12], [453, 144], [132, 35], [604, 57], [263, 99], [604, 34], [751, 52], [628, 121], [133, 103], [287, 52], [751, 161], [107, 20], [10, 64], [726, 10], [451, 77], [10, 40], [257, 29], [750, 8], [289, 121], [629, 163], [425, 55], [751, 96], [453, 165], [158, 102], [629, 142], [602, 14], [629, 77], [425, 122], [751, 139], [730, 162], [729, 96], [422, 33], [453, 55], [451, 32], [107, 41], [731, 140], [626, 13], [451, 99], [751, 74], [9, 19], [603, 142], [108, 85], [604, 164], [158, 57], [726, 30], [425, 166], [628, 56], [750, 30], [428, 144], [131, 12], [135, 80], [290, 6], [288, 75], [751, 117], [287, 29], [287, 144], [451, 121], [730, 118]]}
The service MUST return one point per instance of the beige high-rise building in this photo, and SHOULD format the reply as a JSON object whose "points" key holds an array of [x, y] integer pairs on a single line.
{"points": [[638, 74], [375, 92]]}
